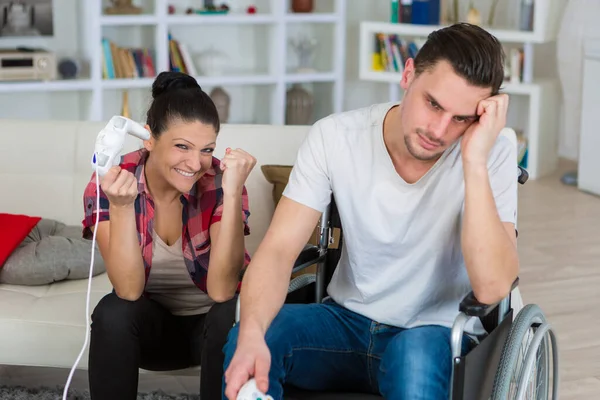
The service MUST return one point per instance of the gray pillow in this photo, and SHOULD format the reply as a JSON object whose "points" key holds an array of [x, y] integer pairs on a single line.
{"points": [[52, 252]]}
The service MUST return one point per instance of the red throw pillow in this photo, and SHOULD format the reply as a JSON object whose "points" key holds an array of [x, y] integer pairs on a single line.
{"points": [[13, 229]]}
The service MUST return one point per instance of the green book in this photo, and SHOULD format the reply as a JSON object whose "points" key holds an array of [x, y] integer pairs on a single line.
{"points": [[395, 11]]}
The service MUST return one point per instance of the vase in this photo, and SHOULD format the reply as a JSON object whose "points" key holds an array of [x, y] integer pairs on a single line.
{"points": [[222, 101], [579, 22], [212, 62], [302, 6], [299, 106]]}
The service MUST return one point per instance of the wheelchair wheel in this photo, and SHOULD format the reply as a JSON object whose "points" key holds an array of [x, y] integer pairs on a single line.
{"points": [[524, 370]]}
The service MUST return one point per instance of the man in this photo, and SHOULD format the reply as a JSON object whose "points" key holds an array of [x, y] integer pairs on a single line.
{"points": [[426, 191]]}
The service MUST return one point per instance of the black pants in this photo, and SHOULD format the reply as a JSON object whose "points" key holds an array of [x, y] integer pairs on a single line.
{"points": [[130, 335]]}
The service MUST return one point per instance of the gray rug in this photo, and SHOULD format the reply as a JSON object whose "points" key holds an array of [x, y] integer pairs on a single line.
{"points": [[45, 393]]}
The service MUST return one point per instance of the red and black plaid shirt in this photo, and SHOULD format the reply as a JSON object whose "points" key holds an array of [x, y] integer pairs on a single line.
{"points": [[202, 207]]}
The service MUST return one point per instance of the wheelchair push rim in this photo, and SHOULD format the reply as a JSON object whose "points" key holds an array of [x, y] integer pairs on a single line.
{"points": [[524, 371]]}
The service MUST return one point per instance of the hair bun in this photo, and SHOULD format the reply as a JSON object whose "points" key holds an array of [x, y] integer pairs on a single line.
{"points": [[170, 80]]}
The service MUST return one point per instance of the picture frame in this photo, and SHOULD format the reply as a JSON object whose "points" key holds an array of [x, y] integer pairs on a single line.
{"points": [[26, 18]]}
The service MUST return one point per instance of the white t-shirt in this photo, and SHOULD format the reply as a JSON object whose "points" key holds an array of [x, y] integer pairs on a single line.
{"points": [[401, 261]]}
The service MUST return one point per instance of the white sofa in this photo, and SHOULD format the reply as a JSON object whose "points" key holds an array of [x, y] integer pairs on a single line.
{"points": [[44, 167]]}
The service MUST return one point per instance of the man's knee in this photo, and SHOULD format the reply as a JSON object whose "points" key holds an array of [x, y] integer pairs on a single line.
{"points": [[417, 364], [280, 335], [230, 345], [286, 328]]}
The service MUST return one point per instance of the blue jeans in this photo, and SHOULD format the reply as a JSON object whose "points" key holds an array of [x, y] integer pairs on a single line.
{"points": [[327, 347]]}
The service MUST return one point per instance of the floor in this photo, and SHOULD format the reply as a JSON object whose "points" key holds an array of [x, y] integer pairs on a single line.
{"points": [[559, 245]]}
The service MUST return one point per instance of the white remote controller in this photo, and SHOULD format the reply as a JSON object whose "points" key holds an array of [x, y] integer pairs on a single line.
{"points": [[250, 392], [111, 139]]}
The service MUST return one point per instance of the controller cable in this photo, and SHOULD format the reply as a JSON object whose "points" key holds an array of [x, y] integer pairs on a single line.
{"points": [[89, 289]]}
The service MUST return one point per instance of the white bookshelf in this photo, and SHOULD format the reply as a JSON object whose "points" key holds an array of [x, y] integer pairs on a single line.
{"points": [[261, 84], [122, 20], [256, 19], [56, 86], [541, 94]]}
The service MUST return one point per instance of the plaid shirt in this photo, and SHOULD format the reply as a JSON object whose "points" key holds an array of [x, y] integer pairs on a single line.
{"points": [[202, 207]]}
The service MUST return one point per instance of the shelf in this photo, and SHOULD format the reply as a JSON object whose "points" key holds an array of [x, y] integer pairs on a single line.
{"points": [[124, 20], [46, 86], [312, 18], [237, 19], [310, 77], [526, 89], [225, 80], [591, 49], [503, 35], [135, 83]]}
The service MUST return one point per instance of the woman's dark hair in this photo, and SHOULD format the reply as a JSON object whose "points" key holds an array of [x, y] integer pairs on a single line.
{"points": [[177, 96], [474, 54]]}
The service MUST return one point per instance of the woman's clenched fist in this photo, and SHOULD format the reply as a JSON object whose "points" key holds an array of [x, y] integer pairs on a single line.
{"points": [[120, 187], [236, 165]]}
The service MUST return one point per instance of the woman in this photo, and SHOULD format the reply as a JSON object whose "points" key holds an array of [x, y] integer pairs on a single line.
{"points": [[171, 233]]}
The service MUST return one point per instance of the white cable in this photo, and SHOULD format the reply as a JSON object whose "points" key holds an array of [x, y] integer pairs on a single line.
{"points": [[89, 289]]}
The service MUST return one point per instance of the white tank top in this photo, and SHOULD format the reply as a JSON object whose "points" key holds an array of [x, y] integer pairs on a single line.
{"points": [[170, 283]]}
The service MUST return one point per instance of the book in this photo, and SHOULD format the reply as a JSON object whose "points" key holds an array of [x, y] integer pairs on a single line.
{"points": [[126, 63]]}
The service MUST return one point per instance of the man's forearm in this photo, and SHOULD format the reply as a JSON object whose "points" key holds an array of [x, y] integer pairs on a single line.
{"points": [[264, 290], [490, 255], [267, 279]]}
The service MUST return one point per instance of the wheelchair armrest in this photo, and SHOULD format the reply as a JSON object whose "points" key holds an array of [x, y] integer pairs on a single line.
{"points": [[473, 308], [308, 256], [523, 175]]}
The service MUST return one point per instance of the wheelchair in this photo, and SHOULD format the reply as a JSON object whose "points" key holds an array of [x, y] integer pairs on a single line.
{"points": [[511, 361]]}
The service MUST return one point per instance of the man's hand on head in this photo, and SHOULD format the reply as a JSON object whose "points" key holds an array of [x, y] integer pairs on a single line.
{"points": [[480, 137]]}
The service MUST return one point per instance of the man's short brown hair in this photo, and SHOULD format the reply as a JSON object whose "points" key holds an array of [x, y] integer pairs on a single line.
{"points": [[475, 54]]}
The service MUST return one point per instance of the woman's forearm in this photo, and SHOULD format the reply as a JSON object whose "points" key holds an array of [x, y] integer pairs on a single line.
{"points": [[124, 263], [227, 251]]}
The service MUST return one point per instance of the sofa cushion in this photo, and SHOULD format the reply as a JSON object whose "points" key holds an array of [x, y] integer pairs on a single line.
{"points": [[278, 176], [51, 252], [13, 229], [46, 324]]}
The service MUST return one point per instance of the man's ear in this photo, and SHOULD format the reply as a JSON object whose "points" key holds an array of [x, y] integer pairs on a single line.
{"points": [[408, 74]]}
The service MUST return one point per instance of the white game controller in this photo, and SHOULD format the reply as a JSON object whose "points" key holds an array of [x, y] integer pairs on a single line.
{"points": [[250, 392], [110, 141]]}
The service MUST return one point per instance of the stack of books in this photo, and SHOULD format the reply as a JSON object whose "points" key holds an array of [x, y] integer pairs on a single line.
{"points": [[423, 12], [179, 58], [391, 52], [126, 63]]}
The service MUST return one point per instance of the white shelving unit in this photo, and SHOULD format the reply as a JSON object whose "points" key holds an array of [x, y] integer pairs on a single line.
{"points": [[542, 95], [100, 98]]}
